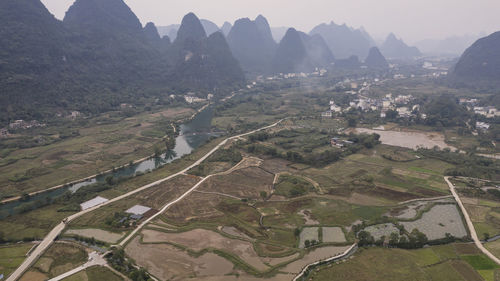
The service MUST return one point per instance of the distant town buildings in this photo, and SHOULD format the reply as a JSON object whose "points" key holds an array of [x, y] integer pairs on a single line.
{"points": [[21, 124], [482, 126]]}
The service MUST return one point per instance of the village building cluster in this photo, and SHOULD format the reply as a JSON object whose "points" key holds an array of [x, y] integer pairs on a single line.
{"points": [[473, 105], [19, 125], [401, 104]]}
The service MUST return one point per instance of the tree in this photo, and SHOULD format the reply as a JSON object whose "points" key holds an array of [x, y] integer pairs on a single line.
{"points": [[485, 235], [307, 243], [296, 232], [263, 194], [351, 122], [157, 151], [365, 238], [391, 114], [403, 241], [394, 239]]}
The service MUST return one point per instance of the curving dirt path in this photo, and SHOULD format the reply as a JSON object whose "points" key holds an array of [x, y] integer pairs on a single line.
{"points": [[50, 238], [469, 223]]}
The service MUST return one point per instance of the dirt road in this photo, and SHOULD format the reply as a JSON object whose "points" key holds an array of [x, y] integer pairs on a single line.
{"points": [[472, 230], [50, 238]]}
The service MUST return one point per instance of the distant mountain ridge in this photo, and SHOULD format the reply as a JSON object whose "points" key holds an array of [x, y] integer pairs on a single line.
{"points": [[454, 45], [344, 41], [299, 52], [397, 49]]}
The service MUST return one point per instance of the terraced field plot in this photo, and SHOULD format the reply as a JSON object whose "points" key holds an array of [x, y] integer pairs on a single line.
{"points": [[441, 219], [59, 258], [333, 235], [308, 234]]}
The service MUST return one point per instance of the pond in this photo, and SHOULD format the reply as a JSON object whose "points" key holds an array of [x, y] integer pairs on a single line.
{"points": [[409, 139], [192, 134]]}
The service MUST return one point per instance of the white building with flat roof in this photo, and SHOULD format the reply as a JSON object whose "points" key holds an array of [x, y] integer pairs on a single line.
{"points": [[138, 210], [94, 202]]}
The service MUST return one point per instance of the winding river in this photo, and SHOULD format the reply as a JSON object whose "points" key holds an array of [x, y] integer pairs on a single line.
{"points": [[192, 134]]}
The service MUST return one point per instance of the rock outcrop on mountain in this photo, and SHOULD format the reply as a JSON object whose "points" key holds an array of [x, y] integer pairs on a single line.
{"points": [[252, 44], [344, 41], [480, 63], [395, 48], [375, 59]]}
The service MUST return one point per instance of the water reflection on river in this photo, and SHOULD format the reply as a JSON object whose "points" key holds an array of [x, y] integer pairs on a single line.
{"points": [[192, 134]]}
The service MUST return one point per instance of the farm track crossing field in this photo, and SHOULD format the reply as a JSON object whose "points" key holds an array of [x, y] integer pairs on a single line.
{"points": [[58, 259], [96, 273]]}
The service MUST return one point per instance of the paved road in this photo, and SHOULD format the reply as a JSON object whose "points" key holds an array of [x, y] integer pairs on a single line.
{"points": [[94, 260], [469, 223], [49, 239]]}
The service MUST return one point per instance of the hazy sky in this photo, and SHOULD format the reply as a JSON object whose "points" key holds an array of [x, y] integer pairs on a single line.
{"points": [[410, 19]]}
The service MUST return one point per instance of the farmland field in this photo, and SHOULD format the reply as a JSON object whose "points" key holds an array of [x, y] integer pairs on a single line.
{"points": [[59, 258], [104, 143], [12, 256], [441, 219], [435, 263]]}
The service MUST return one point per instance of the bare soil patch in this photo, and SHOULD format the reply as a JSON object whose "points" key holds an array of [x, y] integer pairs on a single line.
{"points": [[234, 232], [276, 166], [170, 263], [156, 197], [306, 214], [243, 183], [411, 140], [333, 235], [200, 239], [196, 206]]}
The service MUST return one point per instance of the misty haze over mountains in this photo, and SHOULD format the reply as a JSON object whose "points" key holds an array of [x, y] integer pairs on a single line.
{"points": [[102, 49]]}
